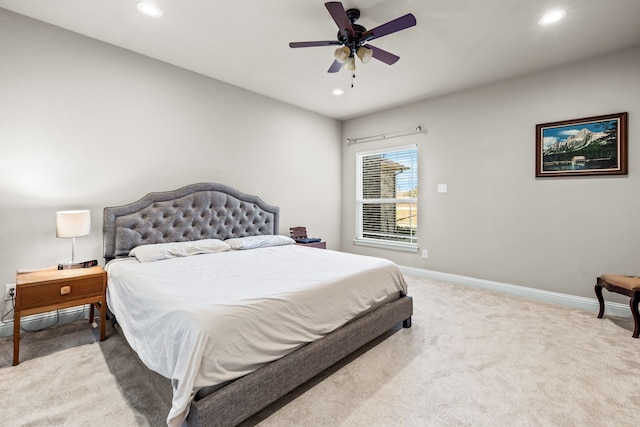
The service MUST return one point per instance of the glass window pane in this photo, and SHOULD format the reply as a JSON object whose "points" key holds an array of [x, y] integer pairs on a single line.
{"points": [[388, 199]]}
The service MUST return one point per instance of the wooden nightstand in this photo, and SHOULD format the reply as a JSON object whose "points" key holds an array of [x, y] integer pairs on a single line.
{"points": [[52, 289], [299, 233], [321, 245]]}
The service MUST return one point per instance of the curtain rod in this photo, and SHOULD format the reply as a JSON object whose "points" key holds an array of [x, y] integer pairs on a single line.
{"points": [[417, 129]]}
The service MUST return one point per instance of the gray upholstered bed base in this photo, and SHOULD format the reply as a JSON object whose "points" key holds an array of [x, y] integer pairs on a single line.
{"points": [[251, 393], [208, 210]]}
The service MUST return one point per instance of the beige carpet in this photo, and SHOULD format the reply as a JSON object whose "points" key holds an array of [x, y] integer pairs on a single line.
{"points": [[472, 358]]}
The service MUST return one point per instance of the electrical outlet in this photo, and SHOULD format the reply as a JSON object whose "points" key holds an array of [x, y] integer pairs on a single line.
{"points": [[425, 253], [9, 292]]}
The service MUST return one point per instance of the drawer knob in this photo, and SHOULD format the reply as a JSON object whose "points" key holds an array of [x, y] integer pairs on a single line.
{"points": [[65, 290]]}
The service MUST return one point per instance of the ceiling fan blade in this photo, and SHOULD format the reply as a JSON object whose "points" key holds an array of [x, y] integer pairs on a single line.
{"points": [[383, 55], [312, 44], [339, 15], [335, 67], [390, 27]]}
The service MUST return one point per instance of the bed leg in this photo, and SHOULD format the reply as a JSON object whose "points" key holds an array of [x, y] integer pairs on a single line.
{"points": [[113, 319], [406, 323]]}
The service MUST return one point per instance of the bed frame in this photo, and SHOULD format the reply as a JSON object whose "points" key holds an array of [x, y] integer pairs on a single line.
{"points": [[216, 211]]}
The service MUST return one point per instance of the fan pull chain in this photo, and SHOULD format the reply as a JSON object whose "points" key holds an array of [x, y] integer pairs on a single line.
{"points": [[353, 76]]}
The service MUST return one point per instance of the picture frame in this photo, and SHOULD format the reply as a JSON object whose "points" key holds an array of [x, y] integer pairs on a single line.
{"points": [[582, 147]]}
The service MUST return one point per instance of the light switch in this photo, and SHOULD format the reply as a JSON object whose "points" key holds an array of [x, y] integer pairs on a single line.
{"points": [[442, 188]]}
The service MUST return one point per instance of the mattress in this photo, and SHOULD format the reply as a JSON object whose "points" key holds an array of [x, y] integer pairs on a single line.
{"points": [[207, 319]]}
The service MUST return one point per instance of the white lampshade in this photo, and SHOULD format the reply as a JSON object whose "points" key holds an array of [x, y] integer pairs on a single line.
{"points": [[365, 54], [342, 54], [350, 64], [73, 223]]}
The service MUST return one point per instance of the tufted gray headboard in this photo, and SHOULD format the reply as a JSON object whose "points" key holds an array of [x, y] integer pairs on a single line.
{"points": [[195, 212]]}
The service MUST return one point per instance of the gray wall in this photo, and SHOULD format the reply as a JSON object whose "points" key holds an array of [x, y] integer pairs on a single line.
{"points": [[84, 124], [497, 221]]}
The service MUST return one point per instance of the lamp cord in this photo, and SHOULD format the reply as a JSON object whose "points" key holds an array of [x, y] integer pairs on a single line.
{"points": [[57, 321]]}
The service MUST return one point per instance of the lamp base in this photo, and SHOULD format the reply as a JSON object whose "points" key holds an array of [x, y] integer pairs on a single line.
{"points": [[84, 264]]}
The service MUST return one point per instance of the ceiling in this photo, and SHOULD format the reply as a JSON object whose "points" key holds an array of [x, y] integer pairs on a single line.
{"points": [[456, 44]]}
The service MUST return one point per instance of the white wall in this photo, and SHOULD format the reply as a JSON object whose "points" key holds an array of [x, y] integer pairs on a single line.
{"points": [[84, 124], [497, 221]]}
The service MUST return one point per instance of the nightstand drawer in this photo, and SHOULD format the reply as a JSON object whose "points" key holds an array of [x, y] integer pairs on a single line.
{"points": [[58, 292]]}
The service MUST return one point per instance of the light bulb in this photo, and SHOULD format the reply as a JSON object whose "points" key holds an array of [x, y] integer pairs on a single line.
{"points": [[150, 9], [551, 17]]}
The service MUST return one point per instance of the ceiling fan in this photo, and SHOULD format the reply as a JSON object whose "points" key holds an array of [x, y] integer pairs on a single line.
{"points": [[355, 38]]}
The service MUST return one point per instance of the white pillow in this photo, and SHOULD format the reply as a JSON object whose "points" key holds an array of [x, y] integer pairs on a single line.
{"points": [[252, 242], [159, 251]]}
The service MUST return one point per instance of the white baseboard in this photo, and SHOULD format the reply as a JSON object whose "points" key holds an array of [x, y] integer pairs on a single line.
{"points": [[589, 304], [45, 320]]}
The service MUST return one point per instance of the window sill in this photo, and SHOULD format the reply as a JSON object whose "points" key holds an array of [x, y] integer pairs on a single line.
{"points": [[407, 247]]}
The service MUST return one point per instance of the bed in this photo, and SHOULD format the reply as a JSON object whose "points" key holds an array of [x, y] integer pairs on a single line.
{"points": [[293, 311]]}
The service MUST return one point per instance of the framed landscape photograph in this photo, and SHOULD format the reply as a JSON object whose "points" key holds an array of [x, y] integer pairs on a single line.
{"points": [[582, 147]]}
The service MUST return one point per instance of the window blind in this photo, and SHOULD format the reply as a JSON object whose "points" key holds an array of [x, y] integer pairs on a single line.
{"points": [[387, 196]]}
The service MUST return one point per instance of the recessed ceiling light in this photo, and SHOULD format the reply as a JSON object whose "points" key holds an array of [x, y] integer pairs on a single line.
{"points": [[552, 16], [338, 92], [150, 9]]}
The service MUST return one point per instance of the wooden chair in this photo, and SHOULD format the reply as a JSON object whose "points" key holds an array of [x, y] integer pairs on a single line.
{"points": [[625, 285]]}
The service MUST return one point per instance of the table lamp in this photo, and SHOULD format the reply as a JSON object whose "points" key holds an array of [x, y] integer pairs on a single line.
{"points": [[73, 224]]}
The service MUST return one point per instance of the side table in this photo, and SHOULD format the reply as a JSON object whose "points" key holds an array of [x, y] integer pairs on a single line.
{"points": [[321, 245], [52, 289]]}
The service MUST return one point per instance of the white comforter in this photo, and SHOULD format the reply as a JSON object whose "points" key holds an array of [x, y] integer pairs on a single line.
{"points": [[206, 319]]}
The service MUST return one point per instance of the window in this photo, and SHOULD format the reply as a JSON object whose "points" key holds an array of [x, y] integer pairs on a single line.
{"points": [[387, 198]]}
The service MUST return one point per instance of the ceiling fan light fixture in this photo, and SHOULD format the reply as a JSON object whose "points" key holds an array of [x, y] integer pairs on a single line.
{"points": [[350, 63], [365, 54], [354, 39], [552, 16], [342, 54], [150, 9]]}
